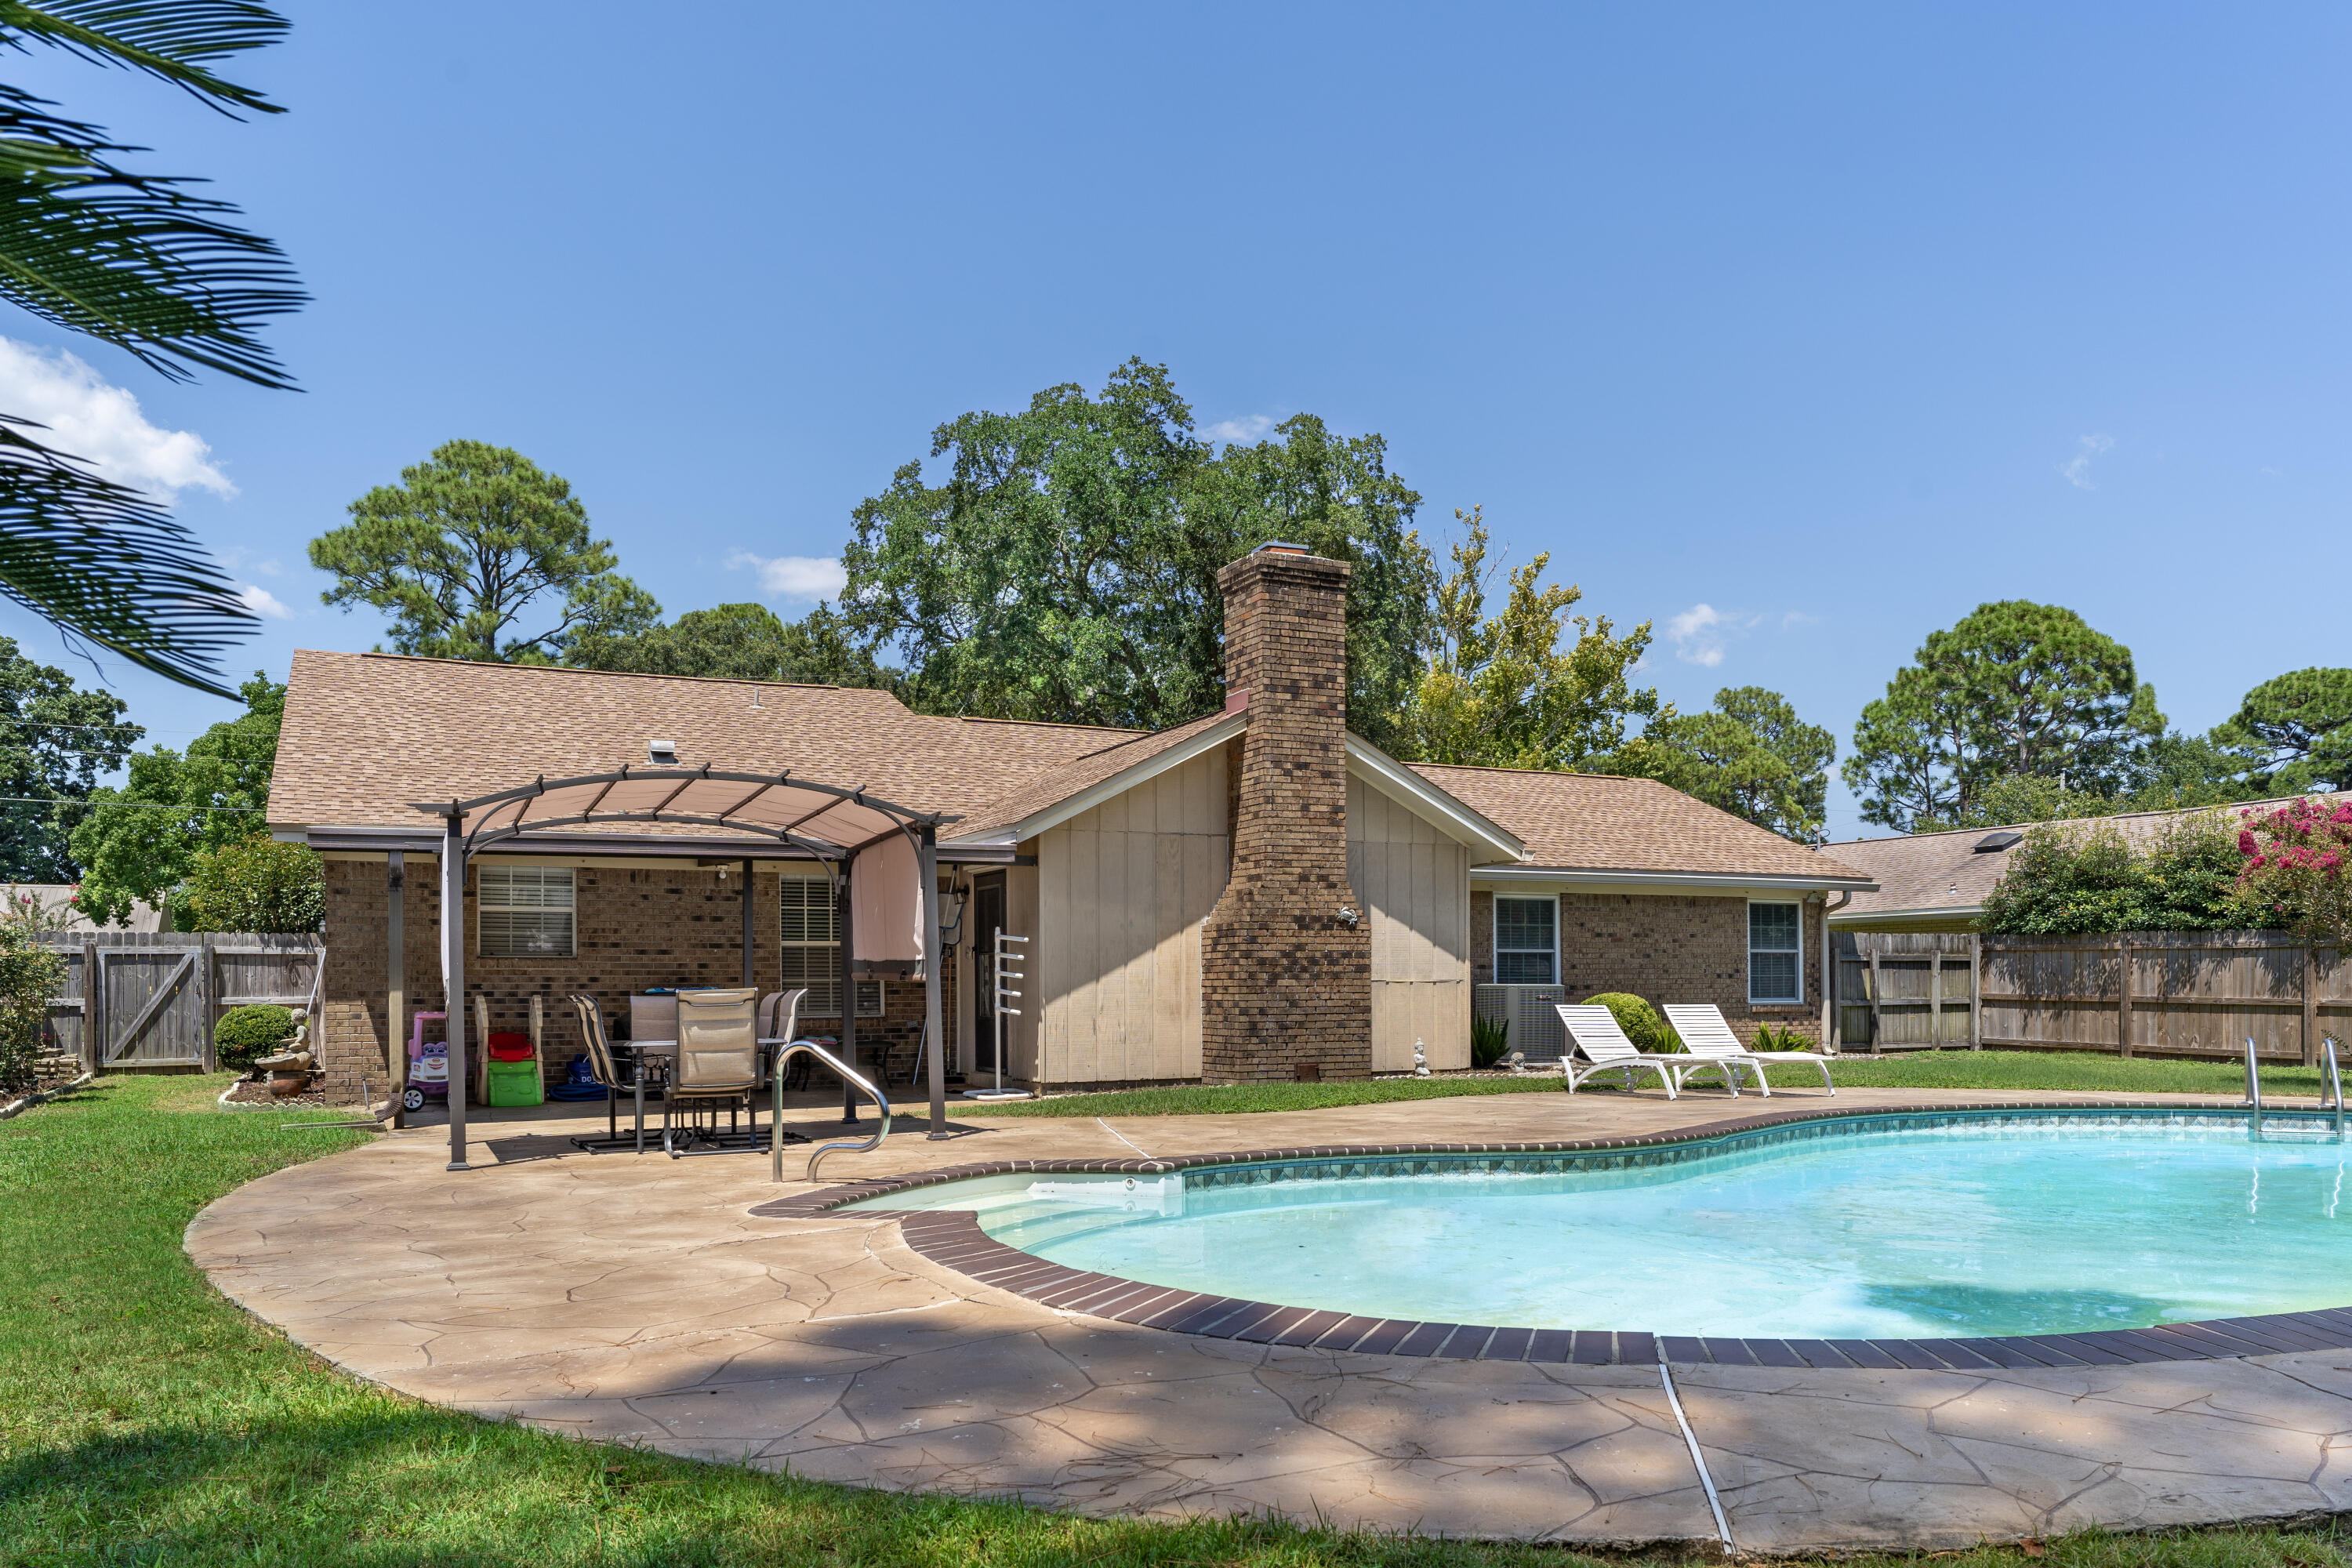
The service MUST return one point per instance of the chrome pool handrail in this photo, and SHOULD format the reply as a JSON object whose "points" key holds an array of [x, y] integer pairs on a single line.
{"points": [[776, 1115], [2332, 1080]]}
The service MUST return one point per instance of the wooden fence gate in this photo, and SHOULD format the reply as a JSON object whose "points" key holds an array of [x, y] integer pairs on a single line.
{"points": [[1904, 991], [158, 994]]}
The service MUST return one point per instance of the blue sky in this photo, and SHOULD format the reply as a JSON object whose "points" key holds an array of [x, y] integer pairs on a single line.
{"points": [[1798, 330]]}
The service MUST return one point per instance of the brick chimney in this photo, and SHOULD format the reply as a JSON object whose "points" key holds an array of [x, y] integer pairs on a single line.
{"points": [[1285, 978]]}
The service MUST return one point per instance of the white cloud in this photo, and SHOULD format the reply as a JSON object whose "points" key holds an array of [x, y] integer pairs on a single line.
{"points": [[793, 577], [1249, 428], [262, 602], [237, 558], [101, 423], [1699, 632], [2076, 470]]}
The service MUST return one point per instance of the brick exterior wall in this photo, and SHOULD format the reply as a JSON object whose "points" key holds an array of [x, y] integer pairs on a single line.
{"points": [[633, 928], [1285, 981], [1661, 947]]}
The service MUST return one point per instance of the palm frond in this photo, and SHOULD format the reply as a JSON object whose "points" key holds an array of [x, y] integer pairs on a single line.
{"points": [[108, 565], [131, 258], [169, 40]]}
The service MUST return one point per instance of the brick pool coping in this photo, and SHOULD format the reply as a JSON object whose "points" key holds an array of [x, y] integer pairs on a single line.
{"points": [[954, 1240]]}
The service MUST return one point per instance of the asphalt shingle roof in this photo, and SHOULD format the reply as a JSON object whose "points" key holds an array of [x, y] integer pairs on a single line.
{"points": [[1595, 822]]}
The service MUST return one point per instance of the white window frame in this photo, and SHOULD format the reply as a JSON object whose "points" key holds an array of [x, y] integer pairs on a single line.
{"points": [[492, 881], [823, 979], [1494, 935], [1753, 999]]}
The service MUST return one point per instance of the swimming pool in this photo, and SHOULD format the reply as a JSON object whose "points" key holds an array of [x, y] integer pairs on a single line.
{"points": [[1897, 1226]]}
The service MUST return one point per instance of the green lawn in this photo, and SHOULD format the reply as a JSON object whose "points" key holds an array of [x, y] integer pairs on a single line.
{"points": [[143, 1419], [2022, 1070]]}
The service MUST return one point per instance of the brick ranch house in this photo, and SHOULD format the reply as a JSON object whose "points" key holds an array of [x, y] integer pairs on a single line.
{"points": [[1237, 897]]}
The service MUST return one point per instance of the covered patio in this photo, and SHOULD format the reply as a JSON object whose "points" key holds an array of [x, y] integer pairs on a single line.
{"points": [[880, 860]]}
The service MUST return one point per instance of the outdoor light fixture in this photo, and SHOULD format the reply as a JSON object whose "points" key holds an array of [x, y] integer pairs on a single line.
{"points": [[1349, 917]]}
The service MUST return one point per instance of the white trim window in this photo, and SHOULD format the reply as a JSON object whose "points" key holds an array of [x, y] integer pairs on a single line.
{"points": [[1527, 940], [811, 936], [525, 911], [1776, 952]]}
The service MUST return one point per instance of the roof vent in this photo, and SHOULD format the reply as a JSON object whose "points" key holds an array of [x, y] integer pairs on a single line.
{"points": [[1993, 841], [662, 753]]}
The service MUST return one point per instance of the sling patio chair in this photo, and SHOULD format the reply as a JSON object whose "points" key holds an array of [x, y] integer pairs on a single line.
{"points": [[718, 1067], [1593, 1034], [606, 1062], [1707, 1035]]}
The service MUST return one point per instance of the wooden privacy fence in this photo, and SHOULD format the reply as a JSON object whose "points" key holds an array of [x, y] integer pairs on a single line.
{"points": [[2163, 992], [159, 994], [2169, 993]]}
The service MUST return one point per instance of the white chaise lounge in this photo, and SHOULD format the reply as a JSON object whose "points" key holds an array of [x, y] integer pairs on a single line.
{"points": [[1707, 1034], [1593, 1033]]}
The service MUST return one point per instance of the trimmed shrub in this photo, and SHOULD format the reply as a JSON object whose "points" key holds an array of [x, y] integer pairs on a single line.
{"points": [[1640, 1022], [245, 1035]]}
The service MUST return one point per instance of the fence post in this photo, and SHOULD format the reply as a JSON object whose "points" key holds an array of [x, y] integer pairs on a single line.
{"points": [[1935, 994], [1877, 987], [2311, 1004], [2124, 996], [207, 987], [1976, 992], [92, 993]]}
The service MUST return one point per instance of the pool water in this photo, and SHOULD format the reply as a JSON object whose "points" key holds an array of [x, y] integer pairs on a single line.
{"points": [[1985, 1226]]}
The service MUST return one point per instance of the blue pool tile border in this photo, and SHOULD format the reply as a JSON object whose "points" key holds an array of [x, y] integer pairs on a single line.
{"points": [[953, 1239]]}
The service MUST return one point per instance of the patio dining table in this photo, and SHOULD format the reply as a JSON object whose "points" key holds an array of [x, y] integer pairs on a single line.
{"points": [[664, 1053]]}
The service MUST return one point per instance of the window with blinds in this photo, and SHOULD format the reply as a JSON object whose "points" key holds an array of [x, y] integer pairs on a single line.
{"points": [[525, 911], [1776, 953], [1527, 941], [812, 952]]}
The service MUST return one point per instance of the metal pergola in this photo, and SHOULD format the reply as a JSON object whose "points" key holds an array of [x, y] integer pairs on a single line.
{"points": [[830, 823]]}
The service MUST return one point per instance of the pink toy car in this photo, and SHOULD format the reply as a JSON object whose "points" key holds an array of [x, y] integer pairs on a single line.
{"points": [[428, 1067]]}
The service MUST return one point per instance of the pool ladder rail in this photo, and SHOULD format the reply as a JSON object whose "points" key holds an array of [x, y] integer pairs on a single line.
{"points": [[2331, 1084]]}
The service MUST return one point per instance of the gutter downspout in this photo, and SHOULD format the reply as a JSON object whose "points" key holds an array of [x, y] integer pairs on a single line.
{"points": [[1829, 971]]}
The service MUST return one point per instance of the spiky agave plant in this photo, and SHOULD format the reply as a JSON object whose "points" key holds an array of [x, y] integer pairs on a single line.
{"points": [[138, 261]]}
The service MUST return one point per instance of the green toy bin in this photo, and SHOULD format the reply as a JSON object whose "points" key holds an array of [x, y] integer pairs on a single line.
{"points": [[514, 1083]]}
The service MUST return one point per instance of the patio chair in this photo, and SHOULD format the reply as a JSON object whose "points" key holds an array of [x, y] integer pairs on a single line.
{"points": [[1593, 1033], [717, 1065], [605, 1063], [779, 1015], [1707, 1034]]}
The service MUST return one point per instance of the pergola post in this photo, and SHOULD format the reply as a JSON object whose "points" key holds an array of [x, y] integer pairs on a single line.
{"points": [[749, 981], [453, 977], [848, 990], [927, 866], [395, 967]]}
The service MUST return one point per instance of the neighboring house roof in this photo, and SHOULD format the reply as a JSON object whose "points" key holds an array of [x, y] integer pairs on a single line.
{"points": [[1597, 827], [367, 734], [1944, 876]]}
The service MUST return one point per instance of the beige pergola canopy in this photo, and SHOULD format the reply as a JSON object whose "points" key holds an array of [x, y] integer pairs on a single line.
{"points": [[829, 823]]}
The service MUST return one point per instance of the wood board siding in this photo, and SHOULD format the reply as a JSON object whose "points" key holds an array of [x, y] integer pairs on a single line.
{"points": [[1120, 893], [1415, 885]]}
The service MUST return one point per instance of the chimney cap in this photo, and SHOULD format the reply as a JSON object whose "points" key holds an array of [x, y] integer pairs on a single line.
{"points": [[1281, 547]]}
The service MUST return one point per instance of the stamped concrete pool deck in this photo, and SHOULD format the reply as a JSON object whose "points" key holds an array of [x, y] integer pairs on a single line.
{"points": [[638, 1300]]}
